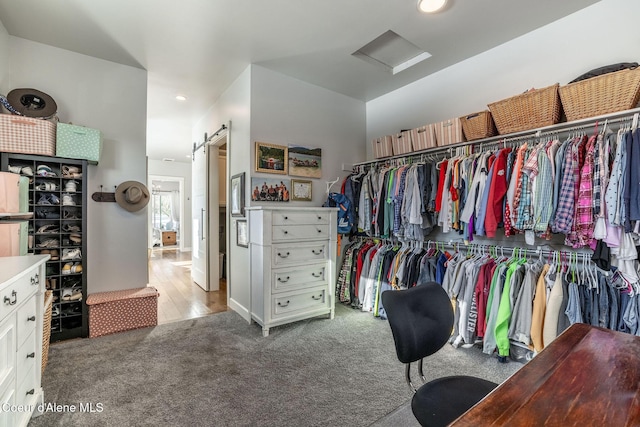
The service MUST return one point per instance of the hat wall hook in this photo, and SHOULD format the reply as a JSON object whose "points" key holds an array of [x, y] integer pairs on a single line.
{"points": [[100, 196]]}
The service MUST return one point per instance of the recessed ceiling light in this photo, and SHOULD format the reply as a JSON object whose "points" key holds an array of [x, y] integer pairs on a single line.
{"points": [[431, 6], [181, 98]]}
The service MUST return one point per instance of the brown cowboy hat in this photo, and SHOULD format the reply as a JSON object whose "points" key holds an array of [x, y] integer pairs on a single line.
{"points": [[132, 195], [32, 103]]}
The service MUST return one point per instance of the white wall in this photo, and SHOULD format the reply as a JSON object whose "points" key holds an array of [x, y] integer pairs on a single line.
{"points": [[287, 111], [601, 34], [234, 106], [179, 170], [113, 98], [4, 60]]}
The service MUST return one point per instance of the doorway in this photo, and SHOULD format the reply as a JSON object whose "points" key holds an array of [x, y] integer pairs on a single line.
{"points": [[166, 213]]}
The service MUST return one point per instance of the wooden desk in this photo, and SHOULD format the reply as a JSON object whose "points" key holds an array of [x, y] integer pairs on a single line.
{"points": [[587, 377]]}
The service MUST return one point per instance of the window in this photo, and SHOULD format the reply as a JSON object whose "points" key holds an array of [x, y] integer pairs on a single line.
{"points": [[162, 211]]}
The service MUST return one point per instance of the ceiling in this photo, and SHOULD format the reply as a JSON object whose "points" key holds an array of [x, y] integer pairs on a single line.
{"points": [[198, 47]]}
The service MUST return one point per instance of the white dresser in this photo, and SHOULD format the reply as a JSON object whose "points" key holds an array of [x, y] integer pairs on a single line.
{"points": [[21, 316], [293, 264]]}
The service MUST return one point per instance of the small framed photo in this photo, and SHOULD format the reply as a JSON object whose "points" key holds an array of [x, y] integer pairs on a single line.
{"points": [[237, 195], [271, 158], [301, 190], [242, 233]]}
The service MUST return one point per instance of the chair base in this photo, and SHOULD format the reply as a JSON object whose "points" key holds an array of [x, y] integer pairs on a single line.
{"points": [[441, 401]]}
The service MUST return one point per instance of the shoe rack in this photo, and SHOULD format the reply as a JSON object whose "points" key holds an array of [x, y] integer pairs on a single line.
{"points": [[57, 198]]}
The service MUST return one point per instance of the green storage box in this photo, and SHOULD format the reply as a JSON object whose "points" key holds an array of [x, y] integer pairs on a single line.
{"points": [[78, 142]]}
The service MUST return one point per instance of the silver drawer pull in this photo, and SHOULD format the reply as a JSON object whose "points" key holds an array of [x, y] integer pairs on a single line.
{"points": [[32, 391], [31, 355], [283, 280], [31, 319], [319, 217], [13, 300], [318, 252], [283, 305], [35, 280], [319, 231], [283, 256], [286, 217], [316, 275], [285, 232], [316, 297]]}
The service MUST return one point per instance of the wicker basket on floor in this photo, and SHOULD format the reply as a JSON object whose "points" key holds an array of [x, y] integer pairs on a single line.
{"points": [[46, 327], [533, 109], [600, 95]]}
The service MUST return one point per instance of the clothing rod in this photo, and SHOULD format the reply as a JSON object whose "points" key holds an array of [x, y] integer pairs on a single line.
{"points": [[207, 139], [457, 246], [620, 116]]}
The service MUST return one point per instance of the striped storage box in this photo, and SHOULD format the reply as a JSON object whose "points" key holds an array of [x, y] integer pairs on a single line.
{"points": [[402, 143], [383, 146], [449, 132], [423, 137], [27, 136]]}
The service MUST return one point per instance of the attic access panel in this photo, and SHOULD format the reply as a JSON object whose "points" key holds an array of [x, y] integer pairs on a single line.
{"points": [[391, 52]]}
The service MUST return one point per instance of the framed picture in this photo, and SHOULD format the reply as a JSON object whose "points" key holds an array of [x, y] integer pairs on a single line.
{"points": [[305, 162], [271, 158], [237, 195], [242, 233], [270, 189], [301, 190]]}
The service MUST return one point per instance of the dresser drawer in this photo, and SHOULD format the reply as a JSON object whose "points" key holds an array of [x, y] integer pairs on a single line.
{"points": [[301, 253], [299, 277], [17, 292], [26, 320], [283, 233], [308, 300], [26, 392], [26, 358], [300, 218]]}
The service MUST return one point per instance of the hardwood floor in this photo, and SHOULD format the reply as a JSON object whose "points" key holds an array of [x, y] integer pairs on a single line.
{"points": [[180, 298]]}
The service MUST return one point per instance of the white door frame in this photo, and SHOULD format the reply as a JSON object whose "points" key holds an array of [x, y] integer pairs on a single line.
{"points": [[180, 181]]}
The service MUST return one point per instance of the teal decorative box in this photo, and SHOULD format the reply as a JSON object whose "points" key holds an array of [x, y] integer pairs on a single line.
{"points": [[78, 142]]}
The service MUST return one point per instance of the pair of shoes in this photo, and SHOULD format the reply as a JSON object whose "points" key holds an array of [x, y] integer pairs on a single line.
{"points": [[48, 229], [45, 214], [75, 309], [55, 311], [51, 283], [52, 252], [48, 199], [68, 214], [49, 243], [71, 172], [72, 268], [69, 254], [47, 186], [70, 227], [71, 294], [71, 186], [44, 170], [24, 170], [67, 200], [75, 238]]}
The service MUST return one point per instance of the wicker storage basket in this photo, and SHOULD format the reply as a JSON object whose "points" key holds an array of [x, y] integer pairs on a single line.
{"points": [[530, 110], [478, 125], [604, 94], [46, 327]]}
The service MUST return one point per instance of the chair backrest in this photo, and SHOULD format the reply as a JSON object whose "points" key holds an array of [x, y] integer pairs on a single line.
{"points": [[421, 320]]}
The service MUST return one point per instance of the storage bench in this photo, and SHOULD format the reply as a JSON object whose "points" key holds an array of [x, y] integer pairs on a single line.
{"points": [[118, 311]]}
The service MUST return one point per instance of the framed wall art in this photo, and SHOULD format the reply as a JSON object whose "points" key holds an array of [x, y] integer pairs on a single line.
{"points": [[301, 190], [270, 189], [237, 195], [271, 158], [305, 162], [242, 233]]}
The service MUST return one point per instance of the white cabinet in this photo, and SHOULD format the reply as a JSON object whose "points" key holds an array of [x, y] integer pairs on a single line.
{"points": [[293, 264], [21, 317]]}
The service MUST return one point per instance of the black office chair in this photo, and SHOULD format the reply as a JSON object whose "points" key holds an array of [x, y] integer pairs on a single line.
{"points": [[421, 320]]}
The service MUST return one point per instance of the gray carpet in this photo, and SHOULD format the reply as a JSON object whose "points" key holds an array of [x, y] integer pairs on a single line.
{"points": [[220, 371]]}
